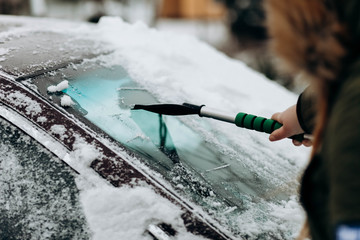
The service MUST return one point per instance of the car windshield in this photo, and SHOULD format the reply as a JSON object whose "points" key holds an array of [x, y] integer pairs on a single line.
{"points": [[197, 168], [164, 141]]}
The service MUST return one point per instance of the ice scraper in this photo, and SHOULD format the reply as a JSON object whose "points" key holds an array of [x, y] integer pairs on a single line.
{"points": [[241, 119]]}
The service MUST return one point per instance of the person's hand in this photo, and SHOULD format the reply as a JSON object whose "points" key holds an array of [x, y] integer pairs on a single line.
{"points": [[291, 126]]}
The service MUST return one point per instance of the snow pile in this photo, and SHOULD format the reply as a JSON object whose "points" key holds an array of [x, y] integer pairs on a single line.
{"points": [[41, 119], [58, 88], [285, 216], [60, 130], [291, 212], [83, 154], [66, 101], [126, 213]]}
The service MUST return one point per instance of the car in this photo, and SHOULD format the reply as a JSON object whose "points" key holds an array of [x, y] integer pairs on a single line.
{"points": [[78, 163]]}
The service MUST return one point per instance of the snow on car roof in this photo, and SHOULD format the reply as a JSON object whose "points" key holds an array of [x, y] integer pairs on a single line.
{"points": [[31, 46]]}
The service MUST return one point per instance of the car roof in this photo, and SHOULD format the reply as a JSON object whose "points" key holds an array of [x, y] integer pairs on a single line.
{"points": [[42, 48]]}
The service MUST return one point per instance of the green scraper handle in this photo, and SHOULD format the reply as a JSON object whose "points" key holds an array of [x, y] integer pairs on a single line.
{"points": [[261, 124]]}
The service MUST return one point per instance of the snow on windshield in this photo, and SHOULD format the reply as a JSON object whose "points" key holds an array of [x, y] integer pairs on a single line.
{"points": [[3, 53], [179, 69]]}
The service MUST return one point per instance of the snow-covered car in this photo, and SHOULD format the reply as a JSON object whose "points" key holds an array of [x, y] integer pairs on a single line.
{"points": [[78, 163]]}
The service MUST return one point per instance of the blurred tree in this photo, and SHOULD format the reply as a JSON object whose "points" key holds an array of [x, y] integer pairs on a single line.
{"points": [[246, 18]]}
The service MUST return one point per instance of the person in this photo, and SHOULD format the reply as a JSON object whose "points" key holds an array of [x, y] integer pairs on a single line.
{"points": [[319, 40]]}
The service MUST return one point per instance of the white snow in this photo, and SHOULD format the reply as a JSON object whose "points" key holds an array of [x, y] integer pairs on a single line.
{"points": [[59, 130], [291, 212], [84, 154], [41, 119], [19, 99], [3, 53], [58, 88], [66, 101], [125, 213]]}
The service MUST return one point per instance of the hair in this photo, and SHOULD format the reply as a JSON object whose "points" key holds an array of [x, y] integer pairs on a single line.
{"points": [[309, 39]]}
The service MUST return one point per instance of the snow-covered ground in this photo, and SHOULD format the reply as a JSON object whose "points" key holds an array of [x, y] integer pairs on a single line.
{"points": [[179, 68]]}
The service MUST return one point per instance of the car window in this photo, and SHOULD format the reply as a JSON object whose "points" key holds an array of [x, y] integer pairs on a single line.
{"points": [[38, 195]]}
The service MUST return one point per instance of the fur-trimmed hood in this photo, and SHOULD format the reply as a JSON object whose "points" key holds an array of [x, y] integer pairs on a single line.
{"points": [[313, 36]]}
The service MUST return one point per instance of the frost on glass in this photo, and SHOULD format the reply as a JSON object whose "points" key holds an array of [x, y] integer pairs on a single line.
{"points": [[38, 195]]}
